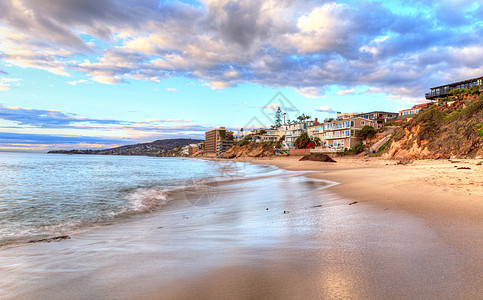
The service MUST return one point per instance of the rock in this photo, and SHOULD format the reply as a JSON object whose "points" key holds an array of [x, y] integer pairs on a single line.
{"points": [[355, 202], [53, 239], [464, 168], [249, 150], [317, 157], [286, 212]]}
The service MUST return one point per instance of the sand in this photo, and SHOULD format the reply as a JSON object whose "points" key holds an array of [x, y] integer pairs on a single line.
{"points": [[445, 194], [415, 232]]}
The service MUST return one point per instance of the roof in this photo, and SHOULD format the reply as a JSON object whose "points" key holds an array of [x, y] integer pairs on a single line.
{"points": [[459, 82]]}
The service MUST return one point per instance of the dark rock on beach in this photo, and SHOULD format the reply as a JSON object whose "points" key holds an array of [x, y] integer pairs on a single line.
{"points": [[317, 157], [53, 239]]}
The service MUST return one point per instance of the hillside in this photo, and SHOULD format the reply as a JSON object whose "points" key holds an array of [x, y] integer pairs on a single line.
{"points": [[453, 128], [155, 148]]}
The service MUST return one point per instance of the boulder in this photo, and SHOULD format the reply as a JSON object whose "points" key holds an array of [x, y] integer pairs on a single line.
{"points": [[317, 157]]}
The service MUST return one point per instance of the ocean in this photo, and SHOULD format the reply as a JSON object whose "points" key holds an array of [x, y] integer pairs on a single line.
{"points": [[172, 228], [47, 195]]}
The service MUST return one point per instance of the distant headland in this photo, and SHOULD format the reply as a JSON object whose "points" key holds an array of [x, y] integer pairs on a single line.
{"points": [[167, 147]]}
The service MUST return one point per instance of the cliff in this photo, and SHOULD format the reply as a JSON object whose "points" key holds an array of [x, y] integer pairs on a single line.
{"points": [[451, 129], [249, 150]]}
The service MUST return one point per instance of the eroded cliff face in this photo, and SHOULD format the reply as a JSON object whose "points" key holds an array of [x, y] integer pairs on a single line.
{"points": [[250, 150], [454, 129]]}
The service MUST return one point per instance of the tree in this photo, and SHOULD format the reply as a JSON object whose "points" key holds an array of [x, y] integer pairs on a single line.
{"points": [[303, 117], [366, 132], [229, 136], [302, 141], [278, 117], [316, 141]]}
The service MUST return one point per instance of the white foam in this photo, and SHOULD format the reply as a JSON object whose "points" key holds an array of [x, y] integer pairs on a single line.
{"points": [[143, 199]]}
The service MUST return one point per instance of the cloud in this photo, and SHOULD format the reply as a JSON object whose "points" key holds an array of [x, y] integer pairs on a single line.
{"points": [[171, 90], [345, 92], [163, 121], [306, 45], [5, 83], [272, 107], [326, 109], [77, 82], [309, 92], [48, 118]]}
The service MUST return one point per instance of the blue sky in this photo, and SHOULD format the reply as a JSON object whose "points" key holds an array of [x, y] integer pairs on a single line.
{"points": [[96, 74]]}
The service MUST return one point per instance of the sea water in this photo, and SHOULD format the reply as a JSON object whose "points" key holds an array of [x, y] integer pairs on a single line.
{"points": [[45, 195]]}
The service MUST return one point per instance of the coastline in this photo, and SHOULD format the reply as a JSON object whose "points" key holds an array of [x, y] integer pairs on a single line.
{"points": [[244, 244], [447, 195], [443, 187]]}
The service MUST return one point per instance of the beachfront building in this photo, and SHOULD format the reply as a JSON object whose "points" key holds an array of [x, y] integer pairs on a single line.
{"points": [[341, 134], [185, 150], [445, 90], [293, 131], [413, 110], [270, 135], [212, 137], [315, 130], [341, 116], [379, 118], [193, 148], [223, 146]]}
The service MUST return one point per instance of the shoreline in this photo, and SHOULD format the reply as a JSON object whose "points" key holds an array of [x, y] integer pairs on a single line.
{"points": [[385, 183], [447, 195], [244, 244]]}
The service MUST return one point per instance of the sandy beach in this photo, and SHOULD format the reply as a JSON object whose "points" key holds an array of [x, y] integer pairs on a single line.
{"points": [[415, 232]]}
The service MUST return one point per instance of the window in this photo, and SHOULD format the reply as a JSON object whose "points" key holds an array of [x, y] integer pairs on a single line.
{"points": [[352, 123], [362, 122]]}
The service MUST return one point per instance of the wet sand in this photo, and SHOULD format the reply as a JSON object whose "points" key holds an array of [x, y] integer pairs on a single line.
{"points": [[404, 240]]}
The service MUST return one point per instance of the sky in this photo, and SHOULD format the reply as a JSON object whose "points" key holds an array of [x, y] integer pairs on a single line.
{"points": [[94, 74]]}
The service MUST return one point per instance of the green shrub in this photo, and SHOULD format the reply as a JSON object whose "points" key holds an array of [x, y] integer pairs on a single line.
{"points": [[472, 108], [366, 132], [398, 134], [479, 129], [474, 90], [432, 115], [455, 115], [384, 147], [358, 148], [302, 141]]}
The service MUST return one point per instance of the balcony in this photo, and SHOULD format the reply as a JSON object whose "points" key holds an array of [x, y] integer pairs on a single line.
{"points": [[338, 126], [336, 136]]}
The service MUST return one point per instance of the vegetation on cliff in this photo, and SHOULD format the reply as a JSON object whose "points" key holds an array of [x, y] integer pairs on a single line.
{"points": [[451, 128]]}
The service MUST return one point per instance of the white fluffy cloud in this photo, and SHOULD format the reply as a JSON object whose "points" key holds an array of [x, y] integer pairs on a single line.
{"points": [[306, 45]]}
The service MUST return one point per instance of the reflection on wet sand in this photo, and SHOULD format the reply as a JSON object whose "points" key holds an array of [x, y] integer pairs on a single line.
{"points": [[243, 245]]}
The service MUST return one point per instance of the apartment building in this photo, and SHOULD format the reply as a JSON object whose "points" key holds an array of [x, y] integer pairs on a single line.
{"points": [[340, 134], [212, 137], [445, 90], [271, 135], [341, 116], [293, 131], [413, 110], [223, 146], [378, 117], [315, 131]]}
